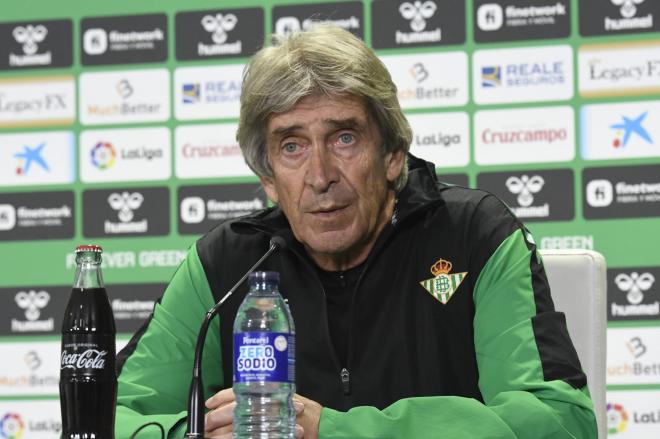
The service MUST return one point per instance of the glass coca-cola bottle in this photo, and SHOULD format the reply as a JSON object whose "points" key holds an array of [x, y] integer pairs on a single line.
{"points": [[88, 382]]}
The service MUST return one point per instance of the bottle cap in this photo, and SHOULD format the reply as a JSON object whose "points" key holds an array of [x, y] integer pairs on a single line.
{"points": [[264, 276], [89, 248]]}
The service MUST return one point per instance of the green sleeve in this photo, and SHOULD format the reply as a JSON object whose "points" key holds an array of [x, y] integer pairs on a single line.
{"points": [[155, 379], [519, 402]]}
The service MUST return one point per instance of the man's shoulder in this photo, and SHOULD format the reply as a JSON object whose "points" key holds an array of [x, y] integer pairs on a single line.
{"points": [[474, 203], [240, 234]]}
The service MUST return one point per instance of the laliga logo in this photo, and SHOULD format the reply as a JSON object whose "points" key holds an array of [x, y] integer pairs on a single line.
{"points": [[417, 13], [525, 186], [12, 426], [29, 36], [125, 203], [634, 284], [628, 8], [617, 418], [32, 302], [219, 26]]}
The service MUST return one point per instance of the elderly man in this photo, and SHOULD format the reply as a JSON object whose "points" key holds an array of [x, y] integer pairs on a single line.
{"points": [[422, 310]]}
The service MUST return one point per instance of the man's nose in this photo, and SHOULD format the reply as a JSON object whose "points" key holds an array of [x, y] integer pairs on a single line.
{"points": [[322, 169]]}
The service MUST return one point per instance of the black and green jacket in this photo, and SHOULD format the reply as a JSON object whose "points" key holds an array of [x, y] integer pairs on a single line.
{"points": [[494, 361]]}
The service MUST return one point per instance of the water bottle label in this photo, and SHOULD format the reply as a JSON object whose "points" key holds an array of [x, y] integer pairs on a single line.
{"points": [[88, 354], [264, 356]]}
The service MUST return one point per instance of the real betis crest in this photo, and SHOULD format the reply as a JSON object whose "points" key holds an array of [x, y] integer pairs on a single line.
{"points": [[444, 284]]}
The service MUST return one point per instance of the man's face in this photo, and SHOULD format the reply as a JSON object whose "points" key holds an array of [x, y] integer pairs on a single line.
{"points": [[330, 177]]}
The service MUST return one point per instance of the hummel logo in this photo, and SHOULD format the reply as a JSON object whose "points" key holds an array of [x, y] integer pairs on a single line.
{"points": [[125, 203], [219, 26], [525, 187], [634, 284]]}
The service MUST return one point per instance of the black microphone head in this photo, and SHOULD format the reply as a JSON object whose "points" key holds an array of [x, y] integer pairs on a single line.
{"points": [[278, 242]]}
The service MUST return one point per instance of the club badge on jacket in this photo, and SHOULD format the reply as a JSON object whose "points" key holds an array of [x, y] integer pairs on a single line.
{"points": [[444, 283]]}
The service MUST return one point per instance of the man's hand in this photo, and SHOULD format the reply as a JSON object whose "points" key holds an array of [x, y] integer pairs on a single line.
{"points": [[218, 423]]}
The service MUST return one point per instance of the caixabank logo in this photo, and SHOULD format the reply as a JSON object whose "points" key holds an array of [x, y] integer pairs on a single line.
{"points": [[32, 310], [397, 24], [535, 195], [36, 44], [126, 212], [36, 215], [513, 20], [633, 293], [202, 207], [123, 39], [605, 17], [293, 18], [219, 33], [621, 192]]}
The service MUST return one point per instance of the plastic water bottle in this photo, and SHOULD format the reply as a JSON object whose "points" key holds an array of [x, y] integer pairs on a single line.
{"points": [[264, 362]]}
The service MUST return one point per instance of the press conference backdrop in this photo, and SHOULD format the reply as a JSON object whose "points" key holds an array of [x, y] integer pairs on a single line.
{"points": [[117, 127]]}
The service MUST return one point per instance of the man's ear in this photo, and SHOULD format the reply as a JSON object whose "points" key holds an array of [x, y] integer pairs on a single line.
{"points": [[394, 162], [269, 187]]}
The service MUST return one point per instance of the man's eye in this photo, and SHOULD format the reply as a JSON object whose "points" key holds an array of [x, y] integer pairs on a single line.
{"points": [[290, 147], [346, 138]]}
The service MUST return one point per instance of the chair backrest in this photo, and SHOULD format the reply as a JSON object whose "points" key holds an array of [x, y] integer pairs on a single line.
{"points": [[578, 285]]}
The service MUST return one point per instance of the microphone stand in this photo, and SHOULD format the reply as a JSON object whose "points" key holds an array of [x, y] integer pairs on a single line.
{"points": [[195, 428]]}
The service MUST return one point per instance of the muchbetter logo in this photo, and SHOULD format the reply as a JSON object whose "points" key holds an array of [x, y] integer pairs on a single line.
{"points": [[32, 360], [124, 88], [419, 72], [32, 303], [636, 347], [417, 13], [617, 418], [525, 187]]}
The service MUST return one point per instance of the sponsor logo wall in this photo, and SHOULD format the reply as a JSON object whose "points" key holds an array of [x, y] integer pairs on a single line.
{"points": [[118, 127]]}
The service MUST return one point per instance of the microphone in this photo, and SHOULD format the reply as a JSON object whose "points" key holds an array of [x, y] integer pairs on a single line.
{"points": [[196, 396]]}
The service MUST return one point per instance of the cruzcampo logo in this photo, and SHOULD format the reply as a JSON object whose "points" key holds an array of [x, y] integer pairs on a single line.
{"points": [[444, 284]]}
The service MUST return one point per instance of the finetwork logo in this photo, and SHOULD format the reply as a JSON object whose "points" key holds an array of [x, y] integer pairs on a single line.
{"points": [[193, 210], [7, 217], [490, 17], [29, 156], [617, 419], [33, 303], [417, 13], [218, 26], [12, 426], [629, 126], [103, 155], [634, 285], [294, 18], [95, 41], [600, 193], [628, 20]]}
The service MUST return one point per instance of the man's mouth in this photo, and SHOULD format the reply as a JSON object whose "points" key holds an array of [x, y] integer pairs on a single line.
{"points": [[328, 212]]}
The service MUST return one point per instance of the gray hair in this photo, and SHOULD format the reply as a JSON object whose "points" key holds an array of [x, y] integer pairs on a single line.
{"points": [[326, 60]]}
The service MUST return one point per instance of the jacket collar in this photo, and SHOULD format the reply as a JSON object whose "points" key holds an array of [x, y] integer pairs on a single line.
{"points": [[420, 191]]}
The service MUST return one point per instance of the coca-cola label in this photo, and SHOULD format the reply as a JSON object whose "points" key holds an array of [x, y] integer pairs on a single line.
{"points": [[88, 354], [264, 356]]}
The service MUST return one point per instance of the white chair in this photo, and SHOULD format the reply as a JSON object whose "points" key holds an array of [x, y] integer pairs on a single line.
{"points": [[578, 285]]}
